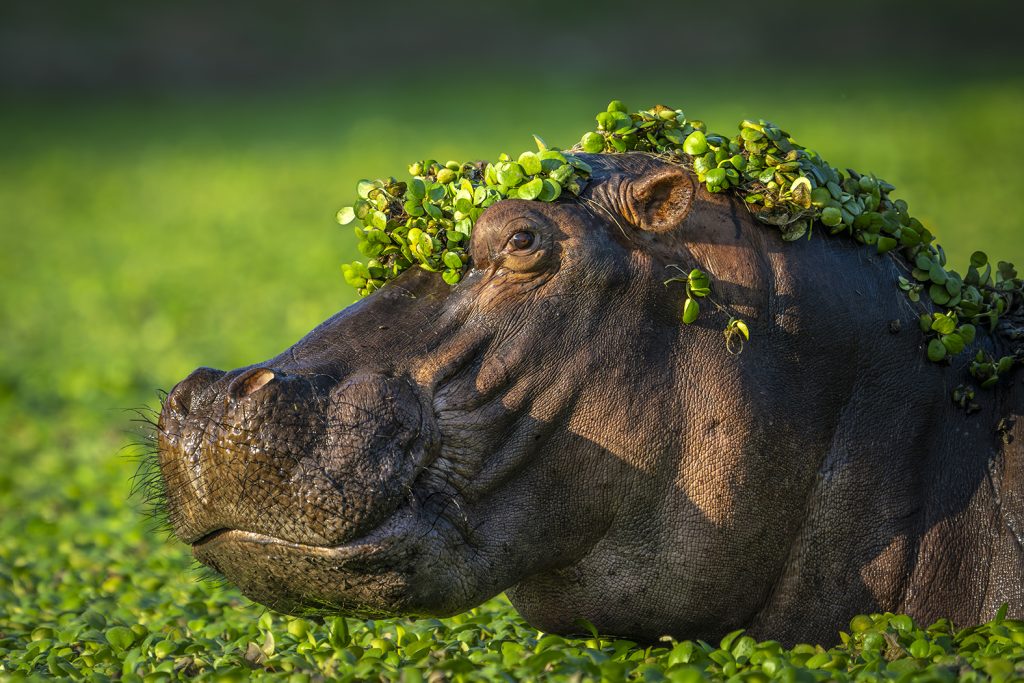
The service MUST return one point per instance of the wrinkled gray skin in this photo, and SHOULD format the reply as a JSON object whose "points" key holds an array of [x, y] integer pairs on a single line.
{"points": [[549, 428]]}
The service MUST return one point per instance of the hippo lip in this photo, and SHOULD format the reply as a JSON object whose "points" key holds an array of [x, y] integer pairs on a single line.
{"points": [[208, 536], [210, 542], [376, 540]]}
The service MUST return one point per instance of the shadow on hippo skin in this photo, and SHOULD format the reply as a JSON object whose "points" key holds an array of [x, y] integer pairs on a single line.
{"points": [[878, 522], [843, 560]]}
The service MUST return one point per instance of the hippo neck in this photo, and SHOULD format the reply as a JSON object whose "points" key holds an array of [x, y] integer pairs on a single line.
{"points": [[900, 516]]}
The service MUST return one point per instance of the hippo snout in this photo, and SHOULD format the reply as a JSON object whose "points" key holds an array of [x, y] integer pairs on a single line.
{"points": [[296, 458]]}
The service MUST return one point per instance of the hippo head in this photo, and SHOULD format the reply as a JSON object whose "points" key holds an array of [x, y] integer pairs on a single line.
{"points": [[546, 427]]}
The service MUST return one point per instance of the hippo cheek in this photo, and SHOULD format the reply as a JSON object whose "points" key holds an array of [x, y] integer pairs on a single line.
{"points": [[392, 571]]}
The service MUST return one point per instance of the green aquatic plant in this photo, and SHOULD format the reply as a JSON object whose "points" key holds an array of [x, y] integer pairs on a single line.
{"points": [[427, 220], [223, 641], [698, 286]]}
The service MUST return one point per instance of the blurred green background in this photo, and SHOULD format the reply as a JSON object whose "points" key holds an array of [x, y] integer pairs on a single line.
{"points": [[170, 174]]}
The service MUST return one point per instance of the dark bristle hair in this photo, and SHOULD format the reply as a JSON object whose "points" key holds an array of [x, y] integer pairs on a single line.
{"points": [[202, 573], [147, 487]]}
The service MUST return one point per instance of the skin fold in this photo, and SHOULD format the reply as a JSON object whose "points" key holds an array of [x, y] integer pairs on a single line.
{"points": [[550, 428]]}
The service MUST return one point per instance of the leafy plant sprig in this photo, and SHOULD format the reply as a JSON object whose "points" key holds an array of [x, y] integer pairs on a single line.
{"points": [[698, 286], [949, 338], [987, 370], [736, 332]]}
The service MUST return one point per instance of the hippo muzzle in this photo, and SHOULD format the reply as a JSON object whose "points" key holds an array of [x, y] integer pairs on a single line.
{"points": [[300, 488]]}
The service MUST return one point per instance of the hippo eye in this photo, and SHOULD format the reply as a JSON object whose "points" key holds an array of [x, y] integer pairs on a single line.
{"points": [[522, 240]]}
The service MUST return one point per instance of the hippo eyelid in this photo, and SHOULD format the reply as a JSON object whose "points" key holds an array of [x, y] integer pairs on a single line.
{"points": [[518, 226], [501, 251], [523, 241]]}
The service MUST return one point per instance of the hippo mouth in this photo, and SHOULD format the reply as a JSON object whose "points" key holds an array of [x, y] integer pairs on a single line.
{"points": [[383, 573], [209, 541]]}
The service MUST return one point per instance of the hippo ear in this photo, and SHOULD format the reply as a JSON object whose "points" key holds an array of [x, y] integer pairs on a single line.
{"points": [[659, 201]]}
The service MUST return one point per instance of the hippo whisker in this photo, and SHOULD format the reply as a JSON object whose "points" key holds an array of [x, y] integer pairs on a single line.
{"points": [[202, 573], [147, 485]]}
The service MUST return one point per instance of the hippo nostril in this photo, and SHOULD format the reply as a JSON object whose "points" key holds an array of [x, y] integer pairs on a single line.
{"points": [[181, 399], [177, 403], [250, 382]]}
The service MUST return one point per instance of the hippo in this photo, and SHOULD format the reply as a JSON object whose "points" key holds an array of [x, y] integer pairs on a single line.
{"points": [[549, 428]]}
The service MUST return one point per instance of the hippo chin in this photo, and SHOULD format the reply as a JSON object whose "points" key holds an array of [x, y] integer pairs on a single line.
{"points": [[548, 427]]}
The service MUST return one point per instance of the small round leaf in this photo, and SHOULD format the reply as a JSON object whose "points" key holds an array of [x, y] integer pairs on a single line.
{"points": [[532, 189], [695, 143], [346, 215], [936, 351], [691, 309]]}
